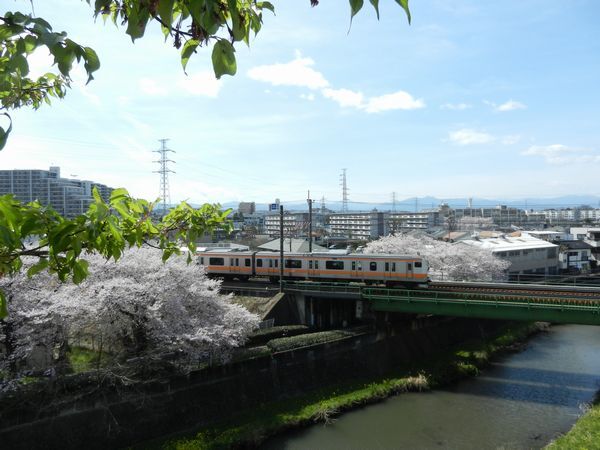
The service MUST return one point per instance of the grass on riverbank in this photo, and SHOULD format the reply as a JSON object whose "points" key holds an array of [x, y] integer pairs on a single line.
{"points": [[585, 434], [253, 427]]}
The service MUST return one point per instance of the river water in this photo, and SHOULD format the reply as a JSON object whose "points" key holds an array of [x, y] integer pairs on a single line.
{"points": [[521, 401]]}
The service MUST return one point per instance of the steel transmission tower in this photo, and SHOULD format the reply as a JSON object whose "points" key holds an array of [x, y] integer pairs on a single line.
{"points": [[164, 171], [344, 186]]}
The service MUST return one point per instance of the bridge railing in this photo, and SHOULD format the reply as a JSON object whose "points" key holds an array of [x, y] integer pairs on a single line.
{"points": [[309, 286], [470, 298]]}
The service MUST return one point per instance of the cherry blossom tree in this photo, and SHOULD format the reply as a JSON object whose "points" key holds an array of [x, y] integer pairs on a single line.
{"points": [[139, 306], [447, 261]]}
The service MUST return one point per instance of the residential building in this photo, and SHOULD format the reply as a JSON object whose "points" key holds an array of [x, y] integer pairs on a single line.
{"points": [[294, 224], [69, 197], [358, 225], [575, 256], [406, 221], [501, 214], [527, 255], [590, 215]]}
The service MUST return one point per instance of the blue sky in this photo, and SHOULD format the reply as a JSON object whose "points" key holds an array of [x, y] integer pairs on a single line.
{"points": [[477, 98]]}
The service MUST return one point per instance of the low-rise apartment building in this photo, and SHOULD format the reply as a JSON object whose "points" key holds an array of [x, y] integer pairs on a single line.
{"points": [[294, 224], [527, 255], [406, 221], [358, 225]]}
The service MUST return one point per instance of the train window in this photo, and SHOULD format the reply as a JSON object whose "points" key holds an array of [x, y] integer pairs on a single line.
{"points": [[409, 266], [373, 266], [317, 264], [202, 260], [310, 264], [418, 264], [270, 263], [247, 262], [334, 265], [216, 261], [237, 261], [359, 265], [259, 263], [387, 266], [276, 263], [393, 267], [353, 265], [293, 263]]}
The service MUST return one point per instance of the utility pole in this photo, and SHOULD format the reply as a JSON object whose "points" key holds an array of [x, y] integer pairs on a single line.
{"points": [[164, 173], [281, 248], [344, 191], [310, 204]]}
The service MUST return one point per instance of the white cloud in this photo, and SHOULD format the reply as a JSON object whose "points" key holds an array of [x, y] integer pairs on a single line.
{"points": [[310, 97], [300, 73], [561, 154], [456, 106], [295, 73], [152, 87], [510, 105], [397, 100], [202, 83], [467, 136], [344, 97], [511, 139]]}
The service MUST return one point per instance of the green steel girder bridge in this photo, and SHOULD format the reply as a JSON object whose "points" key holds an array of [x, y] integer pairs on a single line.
{"points": [[558, 304]]}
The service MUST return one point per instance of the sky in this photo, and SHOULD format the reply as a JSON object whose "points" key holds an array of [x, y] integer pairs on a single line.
{"points": [[476, 98]]}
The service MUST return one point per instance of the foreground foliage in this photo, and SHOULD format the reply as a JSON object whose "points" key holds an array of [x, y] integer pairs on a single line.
{"points": [[138, 307], [58, 243]]}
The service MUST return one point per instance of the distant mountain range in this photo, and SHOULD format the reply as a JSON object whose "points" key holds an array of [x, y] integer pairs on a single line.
{"points": [[421, 203]]}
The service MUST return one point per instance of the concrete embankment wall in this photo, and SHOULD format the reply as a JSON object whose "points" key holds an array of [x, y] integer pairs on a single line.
{"points": [[85, 412]]}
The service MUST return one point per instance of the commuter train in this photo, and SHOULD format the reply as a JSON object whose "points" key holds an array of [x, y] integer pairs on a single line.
{"points": [[391, 270]]}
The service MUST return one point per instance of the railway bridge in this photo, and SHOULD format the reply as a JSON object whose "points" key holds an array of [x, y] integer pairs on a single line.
{"points": [[547, 303]]}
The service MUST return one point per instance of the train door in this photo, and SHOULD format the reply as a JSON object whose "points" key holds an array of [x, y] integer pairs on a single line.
{"points": [[356, 269], [234, 266], [410, 270], [387, 269], [313, 268]]}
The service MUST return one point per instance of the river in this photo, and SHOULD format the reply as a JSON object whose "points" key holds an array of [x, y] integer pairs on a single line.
{"points": [[522, 401]]}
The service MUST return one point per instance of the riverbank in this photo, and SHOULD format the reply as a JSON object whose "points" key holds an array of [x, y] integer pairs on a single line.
{"points": [[585, 434], [254, 427]]}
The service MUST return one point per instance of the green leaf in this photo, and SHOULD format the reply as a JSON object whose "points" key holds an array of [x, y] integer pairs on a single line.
{"points": [[137, 20], [355, 7], [38, 267], [186, 52], [266, 5], [223, 58], [92, 63], [165, 12], [80, 271], [3, 305], [404, 4], [375, 4], [19, 62], [4, 134]]}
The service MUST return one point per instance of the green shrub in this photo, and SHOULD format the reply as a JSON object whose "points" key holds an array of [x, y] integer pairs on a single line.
{"points": [[289, 343], [261, 337]]}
